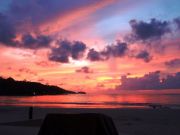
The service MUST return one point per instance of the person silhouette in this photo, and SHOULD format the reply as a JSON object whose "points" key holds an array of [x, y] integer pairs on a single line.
{"points": [[30, 113]]}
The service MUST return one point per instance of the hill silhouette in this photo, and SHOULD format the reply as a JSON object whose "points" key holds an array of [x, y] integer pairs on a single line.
{"points": [[11, 87]]}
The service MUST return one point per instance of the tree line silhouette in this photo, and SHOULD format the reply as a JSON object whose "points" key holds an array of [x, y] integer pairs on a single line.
{"points": [[11, 87]]}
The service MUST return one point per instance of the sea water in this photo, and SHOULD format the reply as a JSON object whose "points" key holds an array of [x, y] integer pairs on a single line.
{"points": [[94, 100]]}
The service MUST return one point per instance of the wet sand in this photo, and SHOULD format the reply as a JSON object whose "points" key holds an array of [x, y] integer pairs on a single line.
{"points": [[14, 120]]}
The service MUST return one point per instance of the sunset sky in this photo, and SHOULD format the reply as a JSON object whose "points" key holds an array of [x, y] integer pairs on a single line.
{"points": [[89, 45]]}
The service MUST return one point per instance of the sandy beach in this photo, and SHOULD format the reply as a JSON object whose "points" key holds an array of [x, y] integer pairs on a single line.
{"points": [[14, 120]]}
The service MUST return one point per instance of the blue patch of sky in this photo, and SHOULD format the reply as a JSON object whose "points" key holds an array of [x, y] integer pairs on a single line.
{"points": [[4, 5], [160, 9]]}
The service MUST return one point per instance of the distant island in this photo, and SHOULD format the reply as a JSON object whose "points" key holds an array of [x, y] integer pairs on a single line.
{"points": [[11, 87], [81, 92]]}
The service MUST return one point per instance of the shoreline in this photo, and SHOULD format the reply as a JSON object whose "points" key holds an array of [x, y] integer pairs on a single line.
{"points": [[81, 105], [128, 121]]}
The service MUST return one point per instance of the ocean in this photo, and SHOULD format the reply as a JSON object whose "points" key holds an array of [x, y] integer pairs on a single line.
{"points": [[94, 100]]}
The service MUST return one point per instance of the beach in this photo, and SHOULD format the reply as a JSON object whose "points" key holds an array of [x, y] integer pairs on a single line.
{"points": [[128, 121]]}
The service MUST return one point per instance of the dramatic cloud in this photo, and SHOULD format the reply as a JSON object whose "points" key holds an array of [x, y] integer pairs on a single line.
{"points": [[94, 55], [77, 49], [8, 34], [17, 14], [84, 70], [144, 31], [115, 50], [40, 41], [150, 81], [175, 63], [118, 49], [144, 55], [67, 49]]}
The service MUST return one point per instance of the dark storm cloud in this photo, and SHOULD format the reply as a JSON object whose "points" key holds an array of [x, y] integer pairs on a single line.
{"points": [[7, 31], [115, 50], [61, 53], [150, 81], [77, 49], [84, 69], [154, 29], [144, 55], [67, 49], [8, 34], [94, 55], [175, 63], [37, 42], [118, 49]]}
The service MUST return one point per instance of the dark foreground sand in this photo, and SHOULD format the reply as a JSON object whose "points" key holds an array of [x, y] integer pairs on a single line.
{"points": [[14, 120]]}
